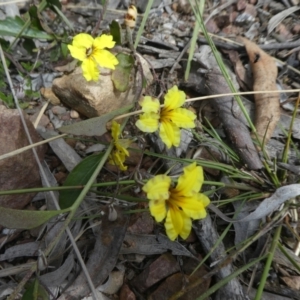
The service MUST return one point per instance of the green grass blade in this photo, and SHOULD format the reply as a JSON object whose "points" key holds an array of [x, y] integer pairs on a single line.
{"points": [[141, 28]]}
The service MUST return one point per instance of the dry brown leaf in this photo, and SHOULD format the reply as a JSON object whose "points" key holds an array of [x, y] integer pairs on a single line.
{"points": [[267, 105], [292, 281]]}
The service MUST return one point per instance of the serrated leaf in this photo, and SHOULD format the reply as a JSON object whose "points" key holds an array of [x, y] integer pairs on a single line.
{"points": [[25, 219], [94, 126], [80, 175], [121, 75], [13, 26]]}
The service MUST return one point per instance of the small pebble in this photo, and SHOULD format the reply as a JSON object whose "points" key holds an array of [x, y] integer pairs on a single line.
{"points": [[74, 114], [80, 146], [65, 117], [58, 110]]}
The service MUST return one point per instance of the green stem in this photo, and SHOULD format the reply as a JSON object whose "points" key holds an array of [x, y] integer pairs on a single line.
{"points": [[141, 28], [269, 261], [193, 44]]}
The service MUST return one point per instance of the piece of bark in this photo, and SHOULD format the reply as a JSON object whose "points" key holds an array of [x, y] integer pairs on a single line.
{"points": [[245, 82], [161, 268], [231, 117], [267, 105], [208, 237]]}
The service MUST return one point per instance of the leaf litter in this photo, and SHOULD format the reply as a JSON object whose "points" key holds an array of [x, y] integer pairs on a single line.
{"points": [[222, 124]]}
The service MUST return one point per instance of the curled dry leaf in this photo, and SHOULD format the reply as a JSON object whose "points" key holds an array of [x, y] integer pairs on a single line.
{"points": [[267, 105]]}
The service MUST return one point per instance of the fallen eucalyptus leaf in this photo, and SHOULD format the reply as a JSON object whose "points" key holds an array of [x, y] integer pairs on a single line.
{"points": [[267, 206], [55, 278], [277, 19], [26, 219], [151, 244], [21, 250], [94, 126]]}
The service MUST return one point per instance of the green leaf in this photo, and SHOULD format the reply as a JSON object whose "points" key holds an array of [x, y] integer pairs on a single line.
{"points": [[64, 49], [35, 291], [7, 99], [29, 46], [12, 27], [116, 32], [25, 219], [121, 75], [80, 175], [54, 3], [94, 126]]}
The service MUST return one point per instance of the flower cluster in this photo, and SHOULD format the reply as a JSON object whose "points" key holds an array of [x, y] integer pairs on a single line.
{"points": [[167, 120], [178, 205], [119, 153], [92, 53]]}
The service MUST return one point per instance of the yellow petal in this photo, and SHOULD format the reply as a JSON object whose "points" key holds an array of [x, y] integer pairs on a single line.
{"points": [[77, 52], [177, 223], [150, 104], [90, 70], [157, 188], [115, 130], [124, 143], [203, 199], [158, 209], [105, 59], [192, 206], [181, 117], [190, 181], [148, 122], [174, 98], [104, 41], [83, 40], [117, 158], [122, 149], [169, 133]]}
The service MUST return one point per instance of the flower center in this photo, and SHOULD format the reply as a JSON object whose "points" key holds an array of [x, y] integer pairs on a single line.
{"points": [[89, 51]]}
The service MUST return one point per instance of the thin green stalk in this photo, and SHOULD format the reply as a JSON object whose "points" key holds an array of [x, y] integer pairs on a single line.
{"points": [[287, 255], [112, 183], [141, 28], [193, 44], [285, 153], [269, 261], [63, 17], [62, 188]]}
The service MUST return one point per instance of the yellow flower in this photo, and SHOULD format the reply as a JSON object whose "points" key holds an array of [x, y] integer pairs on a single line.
{"points": [[92, 53], [119, 153], [178, 205], [169, 119]]}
